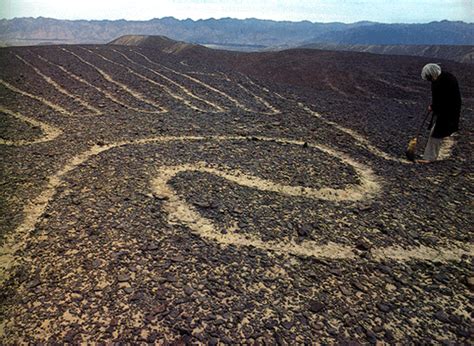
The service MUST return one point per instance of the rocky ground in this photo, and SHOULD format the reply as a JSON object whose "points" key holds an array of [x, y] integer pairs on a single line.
{"points": [[149, 197]]}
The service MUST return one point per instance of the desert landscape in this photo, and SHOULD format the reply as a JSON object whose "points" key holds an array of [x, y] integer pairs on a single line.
{"points": [[170, 193]]}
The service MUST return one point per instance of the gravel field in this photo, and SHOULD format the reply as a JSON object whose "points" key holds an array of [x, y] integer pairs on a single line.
{"points": [[221, 198]]}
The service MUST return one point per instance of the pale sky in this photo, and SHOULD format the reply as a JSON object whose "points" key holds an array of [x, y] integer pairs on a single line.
{"points": [[347, 11]]}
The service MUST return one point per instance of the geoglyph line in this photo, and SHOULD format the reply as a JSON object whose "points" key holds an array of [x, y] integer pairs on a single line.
{"points": [[360, 140], [181, 87], [182, 213], [334, 88], [445, 151], [145, 78], [218, 75], [59, 88], [81, 80], [55, 107], [107, 77], [49, 132], [425, 253], [273, 110], [34, 209], [179, 212], [195, 80]]}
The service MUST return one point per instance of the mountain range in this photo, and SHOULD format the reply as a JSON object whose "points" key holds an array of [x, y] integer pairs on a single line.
{"points": [[248, 34]]}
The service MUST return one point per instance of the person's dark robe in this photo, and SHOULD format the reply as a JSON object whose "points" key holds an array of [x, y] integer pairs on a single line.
{"points": [[446, 105]]}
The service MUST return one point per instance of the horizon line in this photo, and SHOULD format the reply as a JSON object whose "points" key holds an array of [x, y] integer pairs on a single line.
{"points": [[241, 19]]}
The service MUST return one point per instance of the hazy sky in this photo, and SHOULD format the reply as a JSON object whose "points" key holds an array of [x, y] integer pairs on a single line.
{"points": [[387, 11]]}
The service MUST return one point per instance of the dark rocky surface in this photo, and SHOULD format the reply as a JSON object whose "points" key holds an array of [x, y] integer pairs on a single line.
{"points": [[103, 261]]}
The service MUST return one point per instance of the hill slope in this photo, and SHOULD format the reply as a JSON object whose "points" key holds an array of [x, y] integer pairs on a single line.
{"points": [[162, 43], [199, 196], [464, 54]]}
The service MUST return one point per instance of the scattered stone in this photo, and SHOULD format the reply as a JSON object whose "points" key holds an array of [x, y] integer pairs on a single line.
{"points": [[160, 198], [304, 231], [219, 321], [170, 278], [159, 309], [441, 277], [137, 296], [389, 335], [128, 290], [188, 290], [365, 207], [152, 337], [371, 336], [470, 282], [363, 244], [344, 290], [270, 324], [385, 269], [238, 210], [378, 329], [149, 317], [153, 247], [96, 263], [76, 297], [178, 258], [442, 316], [203, 204], [465, 333], [287, 324], [34, 283], [69, 337], [455, 319], [175, 313], [123, 277], [316, 306], [383, 307], [359, 286]]}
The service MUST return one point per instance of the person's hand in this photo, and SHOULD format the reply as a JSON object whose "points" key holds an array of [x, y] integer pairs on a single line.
{"points": [[430, 109]]}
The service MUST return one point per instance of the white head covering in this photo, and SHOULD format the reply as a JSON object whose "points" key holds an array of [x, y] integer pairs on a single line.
{"points": [[430, 71]]}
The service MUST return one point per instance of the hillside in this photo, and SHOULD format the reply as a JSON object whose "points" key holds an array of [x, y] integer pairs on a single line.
{"points": [[163, 43], [464, 54], [246, 34], [158, 195]]}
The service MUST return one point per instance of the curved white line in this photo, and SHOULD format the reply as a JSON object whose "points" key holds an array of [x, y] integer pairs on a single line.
{"points": [[49, 132]]}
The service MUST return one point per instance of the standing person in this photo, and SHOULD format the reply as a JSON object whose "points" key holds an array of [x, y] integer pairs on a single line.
{"points": [[446, 108]]}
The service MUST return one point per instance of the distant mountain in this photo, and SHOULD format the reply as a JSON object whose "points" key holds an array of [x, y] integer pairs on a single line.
{"points": [[464, 54], [435, 33], [248, 34]]}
